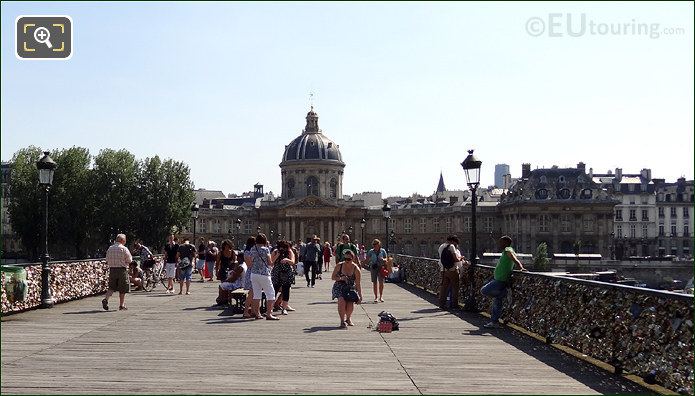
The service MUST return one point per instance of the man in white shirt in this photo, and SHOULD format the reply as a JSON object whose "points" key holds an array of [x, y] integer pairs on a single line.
{"points": [[449, 264]]}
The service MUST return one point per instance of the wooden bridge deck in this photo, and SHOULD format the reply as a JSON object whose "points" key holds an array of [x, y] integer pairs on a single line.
{"points": [[180, 344]]}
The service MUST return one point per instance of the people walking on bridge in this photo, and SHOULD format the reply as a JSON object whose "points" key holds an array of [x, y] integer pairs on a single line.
{"points": [[342, 246], [313, 257], [260, 277], [171, 259], [211, 259], [118, 258], [225, 260], [327, 254], [282, 276], [347, 287], [249, 310], [376, 259], [200, 263], [497, 287], [185, 265], [450, 259]]}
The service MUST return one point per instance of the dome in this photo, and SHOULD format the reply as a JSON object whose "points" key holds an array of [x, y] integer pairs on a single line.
{"points": [[312, 144]]}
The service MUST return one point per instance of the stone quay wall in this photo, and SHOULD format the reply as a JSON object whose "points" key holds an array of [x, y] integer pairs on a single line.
{"points": [[644, 332], [70, 280]]}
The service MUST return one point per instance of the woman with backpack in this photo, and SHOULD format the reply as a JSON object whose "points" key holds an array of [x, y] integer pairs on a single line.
{"points": [[376, 260]]}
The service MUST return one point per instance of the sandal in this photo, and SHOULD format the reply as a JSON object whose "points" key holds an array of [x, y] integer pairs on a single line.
{"points": [[271, 317], [342, 325], [258, 317], [123, 308], [349, 322]]}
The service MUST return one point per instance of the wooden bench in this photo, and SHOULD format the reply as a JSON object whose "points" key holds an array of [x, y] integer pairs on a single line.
{"points": [[237, 299]]}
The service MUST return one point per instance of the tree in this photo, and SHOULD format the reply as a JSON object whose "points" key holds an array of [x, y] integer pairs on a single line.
{"points": [[26, 201], [540, 260]]}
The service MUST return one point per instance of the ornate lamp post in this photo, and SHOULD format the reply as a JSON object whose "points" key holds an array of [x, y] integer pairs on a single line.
{"points": [[471, 167], [46, 168], [238, 228], [392, 240], [612, 245], [194, 217], [386, 209], [349, 232], [272, 232], [363, 222], [258, 229]]}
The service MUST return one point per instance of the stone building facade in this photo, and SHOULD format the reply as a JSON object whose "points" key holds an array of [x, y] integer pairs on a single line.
{"points": [[674, 205]]}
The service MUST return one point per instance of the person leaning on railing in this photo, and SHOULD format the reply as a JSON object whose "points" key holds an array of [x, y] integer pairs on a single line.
{"points": [[497, 287]]}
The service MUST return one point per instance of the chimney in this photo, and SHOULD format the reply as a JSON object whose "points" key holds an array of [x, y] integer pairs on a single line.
{"points": [[582, 167], [646, 174], [591, 173], [507, 181], [619, 173], [453, 199], [525, 171]]}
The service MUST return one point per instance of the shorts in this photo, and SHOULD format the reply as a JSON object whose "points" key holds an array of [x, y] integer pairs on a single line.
{"points": [[119, 280], [262, 283], [230, 286], [185, 273], [170, 269], [376, 274], [200, 264]]}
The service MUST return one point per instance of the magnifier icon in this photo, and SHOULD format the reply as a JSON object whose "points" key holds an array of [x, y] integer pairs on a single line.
{"points": [[43, 35]]}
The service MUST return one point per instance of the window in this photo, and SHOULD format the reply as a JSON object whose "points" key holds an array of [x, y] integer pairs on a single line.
{"points": [[334, 188], [645, 231], [686, 214], [661, 230], [542, 194], [645, 215], [448, 224], [248, 227], [467, 224], [565, 223], [543, 223], [375, 225], [633, 214], [586, 193], [673, 212], [632, 200], [633, 231], [673, 230], [561, 179], [423, 225], [645, 200], [543, 179], [203, 226], [436, 224], [408, 226], [392, 223], [290, 188], [661, 212], [679, 197], [489, 224], [631, 187], [668, 197], [312, 186], [686, 231], [588, 221], [216, 226], [564, 193], [619, 215], [619, 231]]}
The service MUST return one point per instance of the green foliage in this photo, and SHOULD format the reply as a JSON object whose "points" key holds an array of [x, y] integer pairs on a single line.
{"points": [[89, 205], [540, 259]]}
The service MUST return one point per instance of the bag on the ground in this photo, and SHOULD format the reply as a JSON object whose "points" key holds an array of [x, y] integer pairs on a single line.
{"points": [[448, 259], [387, 317]]}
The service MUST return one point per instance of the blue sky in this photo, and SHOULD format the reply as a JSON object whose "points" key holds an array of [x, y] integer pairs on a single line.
{"points": [[403, 88]]}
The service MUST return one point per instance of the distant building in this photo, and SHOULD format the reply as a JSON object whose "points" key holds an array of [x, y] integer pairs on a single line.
{"points": [[674, 203], [11, 243], [500, 171]]}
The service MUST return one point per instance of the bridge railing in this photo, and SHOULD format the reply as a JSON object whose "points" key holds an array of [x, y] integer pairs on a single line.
{"points": [[645, 332], [70, 280]]}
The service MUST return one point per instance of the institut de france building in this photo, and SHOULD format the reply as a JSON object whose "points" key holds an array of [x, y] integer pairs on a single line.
{"points": [[556, 206]]}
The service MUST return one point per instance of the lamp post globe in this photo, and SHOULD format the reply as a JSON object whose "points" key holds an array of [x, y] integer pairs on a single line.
{"points": [[46, 167], [471, 167], [386, 210]]}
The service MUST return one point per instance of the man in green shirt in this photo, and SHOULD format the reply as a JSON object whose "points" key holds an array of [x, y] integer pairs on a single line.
{"points": [[497, 287], [346, 244]]}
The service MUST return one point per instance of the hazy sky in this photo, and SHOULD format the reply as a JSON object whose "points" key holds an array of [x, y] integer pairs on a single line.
{"points": [[403, 88]]}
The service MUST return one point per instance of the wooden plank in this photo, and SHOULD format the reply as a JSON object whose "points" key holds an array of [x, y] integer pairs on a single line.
{"points": [[180, 344]]}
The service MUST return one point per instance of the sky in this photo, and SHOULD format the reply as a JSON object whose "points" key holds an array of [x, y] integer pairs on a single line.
{"points": [[403, 88]]}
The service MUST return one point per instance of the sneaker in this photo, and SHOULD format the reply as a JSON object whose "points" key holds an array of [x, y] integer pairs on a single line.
{"points": [[284, 312], [343, 325], [381, 300], [308, 284], [312, 286], [289, 309], [123, 308], [188, 293], [105, 304], [492, 325]]}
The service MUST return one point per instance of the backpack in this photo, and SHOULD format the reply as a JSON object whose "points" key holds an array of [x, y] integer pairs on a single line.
{"points": [[448, 259]]}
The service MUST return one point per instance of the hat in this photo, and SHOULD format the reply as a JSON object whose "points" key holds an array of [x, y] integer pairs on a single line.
{"points": [[346, 251]]}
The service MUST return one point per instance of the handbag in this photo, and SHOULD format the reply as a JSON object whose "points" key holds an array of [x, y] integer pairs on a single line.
{"points": [[384, 271], [350, 293]]}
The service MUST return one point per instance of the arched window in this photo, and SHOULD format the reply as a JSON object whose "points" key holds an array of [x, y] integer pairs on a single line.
{"points": [[334, 188], [290, 188], [312, 186], [564, 193]]}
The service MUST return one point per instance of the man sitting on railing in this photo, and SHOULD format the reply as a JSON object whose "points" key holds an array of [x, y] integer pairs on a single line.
{"points": [[497, 287]]}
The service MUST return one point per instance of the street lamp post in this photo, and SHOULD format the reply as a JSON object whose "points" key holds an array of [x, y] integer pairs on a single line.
{"points": [[471, 167], [194, 216], [46, 168], [392, 241], [258, 229], [238, 228], [386, 209], [272, 232], [349, 232], [363, 222], [612, 245]]}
